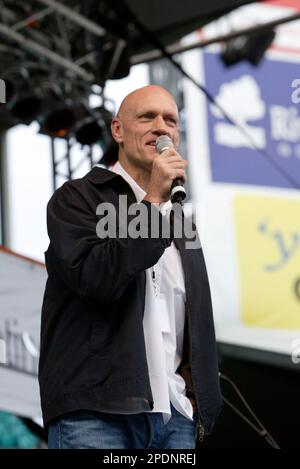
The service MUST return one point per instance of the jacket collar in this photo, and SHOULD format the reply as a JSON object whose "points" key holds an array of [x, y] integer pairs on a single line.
{"points": [[101, 175]]}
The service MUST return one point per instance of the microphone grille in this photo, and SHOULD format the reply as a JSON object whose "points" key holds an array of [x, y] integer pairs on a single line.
{"points": [[163, 142]]}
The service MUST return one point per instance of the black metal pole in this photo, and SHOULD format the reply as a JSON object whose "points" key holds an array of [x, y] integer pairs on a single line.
{"points": [[3, 191], [68, 156], [53, 163]]}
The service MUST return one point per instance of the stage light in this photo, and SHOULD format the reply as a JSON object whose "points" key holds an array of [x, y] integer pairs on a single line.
{"points": [[257, 46], [88, 131], [59, 121], [251, 48], [26, 106], [113, 60], [74, 118], [93, 126]]}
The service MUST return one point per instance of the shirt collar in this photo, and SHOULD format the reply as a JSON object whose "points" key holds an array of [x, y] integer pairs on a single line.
{"points": [[137, 190]]}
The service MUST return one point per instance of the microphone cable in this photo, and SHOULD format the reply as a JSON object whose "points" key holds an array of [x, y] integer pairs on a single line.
{"points": [[258, 427]]}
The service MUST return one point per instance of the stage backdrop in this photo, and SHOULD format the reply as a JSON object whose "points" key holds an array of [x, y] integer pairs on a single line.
{"points": [[248, 193]]}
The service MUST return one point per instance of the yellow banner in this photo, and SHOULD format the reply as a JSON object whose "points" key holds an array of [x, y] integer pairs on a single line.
{"points": [[268, 251]]}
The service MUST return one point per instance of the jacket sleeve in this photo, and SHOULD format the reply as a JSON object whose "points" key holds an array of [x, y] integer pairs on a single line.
{"points": [[95, 269]]}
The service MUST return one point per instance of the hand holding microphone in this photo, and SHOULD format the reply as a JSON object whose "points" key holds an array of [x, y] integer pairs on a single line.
{"points": [[178, 193], [168, 173]]}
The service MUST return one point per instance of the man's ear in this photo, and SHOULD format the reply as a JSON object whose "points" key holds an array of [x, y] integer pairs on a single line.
{"points": [[117, 130]]}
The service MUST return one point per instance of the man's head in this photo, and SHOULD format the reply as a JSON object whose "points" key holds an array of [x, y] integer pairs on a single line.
{"points": [[144, 115]]}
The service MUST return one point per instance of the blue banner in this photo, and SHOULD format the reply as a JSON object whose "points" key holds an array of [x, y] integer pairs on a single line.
{"points": [[263, 101]]}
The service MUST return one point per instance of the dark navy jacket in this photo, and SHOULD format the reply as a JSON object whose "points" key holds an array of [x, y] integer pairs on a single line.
{"points": [[92, 340]]}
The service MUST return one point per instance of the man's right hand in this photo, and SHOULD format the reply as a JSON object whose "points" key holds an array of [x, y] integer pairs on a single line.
{"points": [[166, 167]]}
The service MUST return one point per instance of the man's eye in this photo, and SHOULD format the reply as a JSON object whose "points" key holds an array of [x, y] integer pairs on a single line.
{"points": [[146, 117], [172, 121]]}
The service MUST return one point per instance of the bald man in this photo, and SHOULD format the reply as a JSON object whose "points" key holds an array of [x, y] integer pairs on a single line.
{"points": [[128, 355]]}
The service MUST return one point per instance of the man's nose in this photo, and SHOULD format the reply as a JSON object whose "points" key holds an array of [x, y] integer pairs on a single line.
{"points": [[159, 126]]}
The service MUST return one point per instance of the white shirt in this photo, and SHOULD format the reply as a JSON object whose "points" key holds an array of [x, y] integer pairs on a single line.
{"points": [[163, 323]]}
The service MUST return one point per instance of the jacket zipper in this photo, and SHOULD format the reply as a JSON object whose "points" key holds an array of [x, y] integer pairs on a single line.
{"points": [[200, 430]]}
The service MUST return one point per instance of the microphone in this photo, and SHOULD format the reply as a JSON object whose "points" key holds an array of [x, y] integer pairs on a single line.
{"points": [[178, 193]]}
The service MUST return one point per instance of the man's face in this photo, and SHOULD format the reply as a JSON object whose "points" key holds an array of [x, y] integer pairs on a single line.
{"points": [[145, 115]]}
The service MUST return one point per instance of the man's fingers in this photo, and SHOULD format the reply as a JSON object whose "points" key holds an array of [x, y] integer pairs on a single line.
{"points": [[179, 173], [170, 155], [179, 165], [173, 160]]}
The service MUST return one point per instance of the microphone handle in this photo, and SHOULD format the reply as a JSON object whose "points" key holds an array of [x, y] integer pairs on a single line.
{"points": [[178, 193]]}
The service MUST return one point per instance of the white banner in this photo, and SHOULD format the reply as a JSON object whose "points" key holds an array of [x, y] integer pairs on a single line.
{"points": [[22, 283]]}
